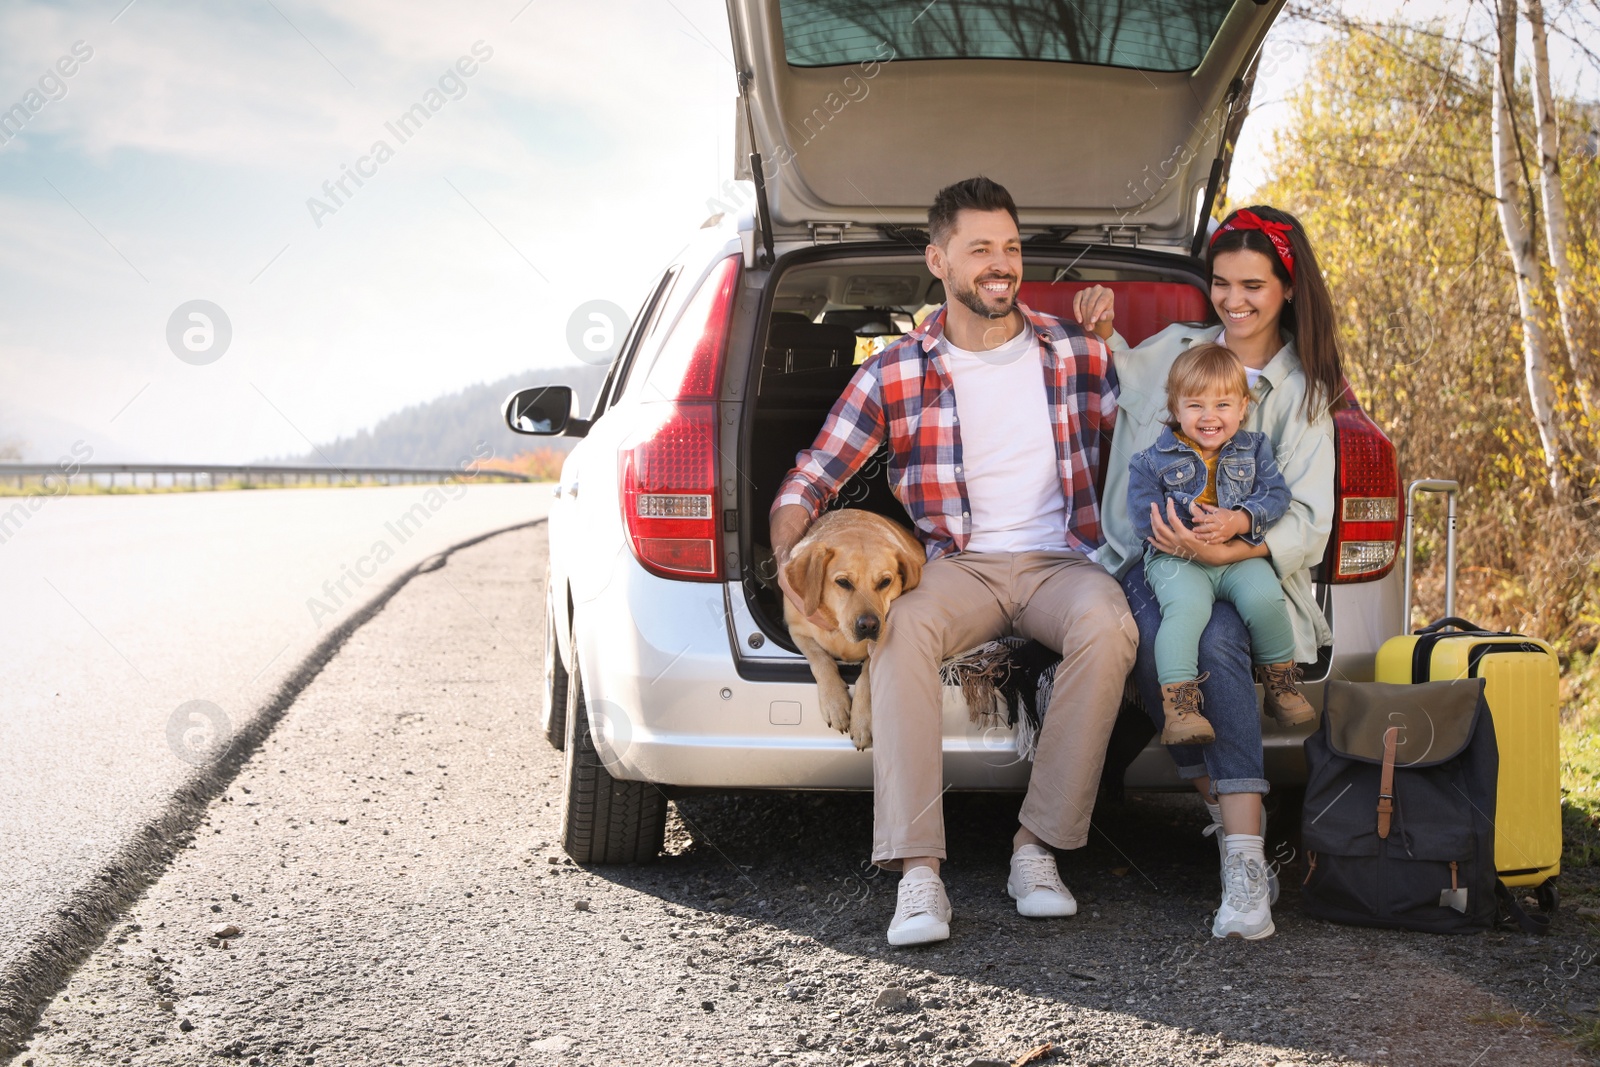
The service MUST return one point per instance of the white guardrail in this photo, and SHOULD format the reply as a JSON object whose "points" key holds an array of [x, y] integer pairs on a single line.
{"points": [[213, 475]]}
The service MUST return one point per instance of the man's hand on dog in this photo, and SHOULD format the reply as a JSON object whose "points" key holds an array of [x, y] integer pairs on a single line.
{"points": [[789, 525]]}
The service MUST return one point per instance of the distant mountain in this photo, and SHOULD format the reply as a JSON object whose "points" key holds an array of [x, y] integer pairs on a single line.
{"points": [[34, 437], [442, 433]]}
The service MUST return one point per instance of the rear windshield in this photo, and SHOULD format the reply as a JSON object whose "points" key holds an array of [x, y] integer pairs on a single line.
{"points": [[1154, 35]]}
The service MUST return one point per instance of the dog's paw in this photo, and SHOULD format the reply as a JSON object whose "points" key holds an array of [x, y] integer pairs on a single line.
{"points": [[861, 733], [861, 713], [836, 710]]}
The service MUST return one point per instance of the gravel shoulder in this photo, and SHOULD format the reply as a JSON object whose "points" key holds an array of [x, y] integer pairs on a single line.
{"points": [[390, 858], [140, 631]]}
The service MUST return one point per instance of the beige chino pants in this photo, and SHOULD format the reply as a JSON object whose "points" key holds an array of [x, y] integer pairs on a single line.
{"points": [[1058, 598]]}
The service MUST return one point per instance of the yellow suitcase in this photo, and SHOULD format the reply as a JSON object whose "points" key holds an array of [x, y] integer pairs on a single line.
{"points": [[1522, 680]]}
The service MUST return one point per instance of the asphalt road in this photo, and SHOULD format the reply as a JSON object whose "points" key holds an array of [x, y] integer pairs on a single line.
{"points": [[119, 611], [390, 858]]}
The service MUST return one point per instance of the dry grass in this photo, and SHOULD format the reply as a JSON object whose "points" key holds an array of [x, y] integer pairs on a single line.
{"points": [[1580, 762], [1501, 1018], [540, 464]]}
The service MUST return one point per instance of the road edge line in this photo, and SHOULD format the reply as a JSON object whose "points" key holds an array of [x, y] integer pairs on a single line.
{"points": [[29, 983]]}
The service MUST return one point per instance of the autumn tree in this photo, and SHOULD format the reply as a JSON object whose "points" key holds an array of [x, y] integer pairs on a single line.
{"points": [[1514, 211], [1388, 157]]}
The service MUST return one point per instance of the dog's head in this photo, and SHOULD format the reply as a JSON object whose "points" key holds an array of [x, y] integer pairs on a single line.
{"points": [[854, 577]]}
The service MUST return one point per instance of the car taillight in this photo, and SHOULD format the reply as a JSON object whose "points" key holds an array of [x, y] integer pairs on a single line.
{"points": [[669, 465], [668, 486], [1369, 511]]}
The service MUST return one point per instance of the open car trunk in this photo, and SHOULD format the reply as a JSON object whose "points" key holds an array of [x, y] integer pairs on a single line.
{"points": [[1113, 118], [828, 309]]}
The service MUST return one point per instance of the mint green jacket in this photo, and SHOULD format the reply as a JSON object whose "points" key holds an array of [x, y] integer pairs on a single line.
{"points": [[1305, 454]]}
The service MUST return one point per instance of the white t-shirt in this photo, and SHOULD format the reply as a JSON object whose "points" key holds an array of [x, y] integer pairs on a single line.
{"points": [[1008, 452], [1251, 375]]}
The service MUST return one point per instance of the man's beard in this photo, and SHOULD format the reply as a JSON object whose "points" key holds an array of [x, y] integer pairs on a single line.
{"points": [[974, 300]]}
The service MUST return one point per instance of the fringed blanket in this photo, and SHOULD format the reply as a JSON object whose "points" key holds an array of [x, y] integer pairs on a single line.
{"points": [[1005, 682], [1008, 683]]}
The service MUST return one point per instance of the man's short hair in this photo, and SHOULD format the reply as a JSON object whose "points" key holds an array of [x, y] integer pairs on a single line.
{"points": [[974, 194], [1203, 369]]}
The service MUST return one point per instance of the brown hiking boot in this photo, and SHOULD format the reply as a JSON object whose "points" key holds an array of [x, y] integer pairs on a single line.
{"points": [[1180, 703], [1283, 700]]}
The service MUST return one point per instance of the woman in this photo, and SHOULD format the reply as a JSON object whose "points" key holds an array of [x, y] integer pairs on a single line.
{"points": [[1274, 313]]}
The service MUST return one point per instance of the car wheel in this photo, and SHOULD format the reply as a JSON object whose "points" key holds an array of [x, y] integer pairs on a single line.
{"points": [[554, 713], [605, 819]]}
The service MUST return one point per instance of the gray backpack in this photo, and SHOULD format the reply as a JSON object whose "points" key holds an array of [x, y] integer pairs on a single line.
{"points": [[1399, 812]]}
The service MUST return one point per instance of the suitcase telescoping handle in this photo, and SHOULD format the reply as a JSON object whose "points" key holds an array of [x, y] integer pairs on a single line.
{"points": [[1449, 489]]}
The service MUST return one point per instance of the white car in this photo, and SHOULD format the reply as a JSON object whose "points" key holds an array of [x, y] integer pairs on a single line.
{"points": [[668, 665]]}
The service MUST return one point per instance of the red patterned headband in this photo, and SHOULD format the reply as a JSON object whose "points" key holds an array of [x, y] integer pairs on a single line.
{"points": [[1277, 233]]}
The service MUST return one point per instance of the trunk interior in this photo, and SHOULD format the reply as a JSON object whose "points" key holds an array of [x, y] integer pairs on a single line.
{"points": [[826, 311]]}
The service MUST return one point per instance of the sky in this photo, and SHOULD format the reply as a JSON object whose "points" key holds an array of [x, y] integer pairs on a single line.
{"points": [[571, 165], [203, 153]]}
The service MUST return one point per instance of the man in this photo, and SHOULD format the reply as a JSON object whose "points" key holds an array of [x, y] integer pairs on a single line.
{"points": [[995, 418]]}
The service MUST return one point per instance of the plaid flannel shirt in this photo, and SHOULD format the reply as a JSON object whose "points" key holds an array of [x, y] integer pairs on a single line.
{"points": [[905, 394]]}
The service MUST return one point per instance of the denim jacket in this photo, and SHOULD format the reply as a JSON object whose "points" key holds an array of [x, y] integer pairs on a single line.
{"points": [[1247, 478]]}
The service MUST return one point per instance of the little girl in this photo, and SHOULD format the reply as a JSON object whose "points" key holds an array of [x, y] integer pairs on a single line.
{"points": [[1204, 465]]}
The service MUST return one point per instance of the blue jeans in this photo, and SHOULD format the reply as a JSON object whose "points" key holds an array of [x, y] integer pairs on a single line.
{"points": [[1233, 761]]}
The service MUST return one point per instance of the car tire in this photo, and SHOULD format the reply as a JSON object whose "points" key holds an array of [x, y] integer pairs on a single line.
{"points": [[604, 819], [554, 713]]}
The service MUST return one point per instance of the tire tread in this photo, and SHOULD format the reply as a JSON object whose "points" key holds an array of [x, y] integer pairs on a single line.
{"points": [[605, 820]]}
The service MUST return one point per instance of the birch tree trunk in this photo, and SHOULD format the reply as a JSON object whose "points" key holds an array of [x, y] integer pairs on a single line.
{"points": [[1519, 243], [1555, 204]]}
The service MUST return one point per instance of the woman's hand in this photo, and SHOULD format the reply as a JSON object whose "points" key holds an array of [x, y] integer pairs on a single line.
{"points": [[1216, 526], [1095, 308], [1171, 536]]}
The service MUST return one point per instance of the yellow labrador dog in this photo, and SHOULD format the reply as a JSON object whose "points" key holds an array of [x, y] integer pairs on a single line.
{"points": [[851, 564]]}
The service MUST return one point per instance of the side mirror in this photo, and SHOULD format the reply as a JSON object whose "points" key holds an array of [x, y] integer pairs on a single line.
{"points": [[543, 411]]}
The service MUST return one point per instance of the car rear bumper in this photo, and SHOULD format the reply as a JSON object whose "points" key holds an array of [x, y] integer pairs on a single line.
{"points": [[668, 705]]}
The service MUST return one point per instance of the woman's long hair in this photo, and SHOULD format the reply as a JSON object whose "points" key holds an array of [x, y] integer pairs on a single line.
{"points": [[1309, 317]]}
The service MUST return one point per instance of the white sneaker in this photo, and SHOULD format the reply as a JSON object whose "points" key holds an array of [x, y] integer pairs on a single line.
{"points": [[1036, 886], [1245, 911], [922, 911], [1215, 829]]}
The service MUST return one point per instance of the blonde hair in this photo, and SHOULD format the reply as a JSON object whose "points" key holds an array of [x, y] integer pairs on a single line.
{"points": [[1207, 368]]}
